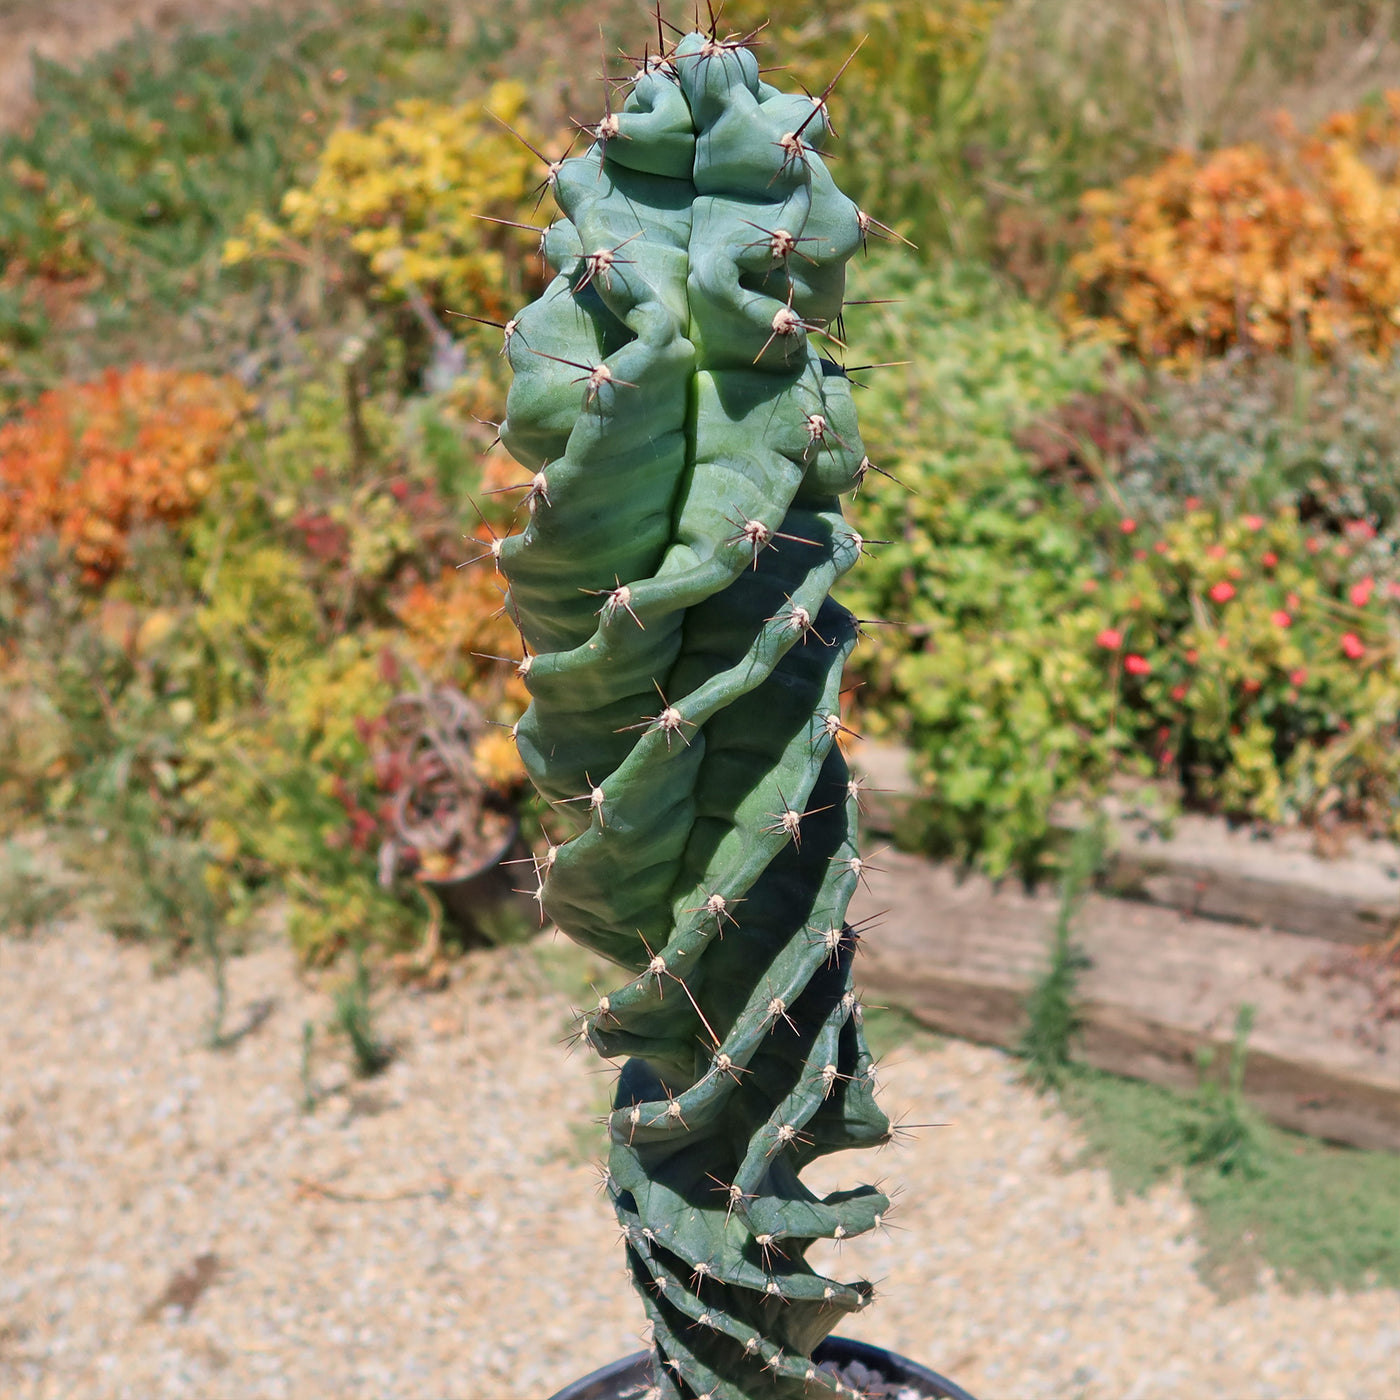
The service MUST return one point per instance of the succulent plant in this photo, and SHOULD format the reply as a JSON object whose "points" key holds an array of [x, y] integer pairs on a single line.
{"points": [[688, 442]]}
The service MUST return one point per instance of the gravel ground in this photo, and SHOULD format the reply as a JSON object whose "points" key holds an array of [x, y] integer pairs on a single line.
{"points": [[172, 1224]]}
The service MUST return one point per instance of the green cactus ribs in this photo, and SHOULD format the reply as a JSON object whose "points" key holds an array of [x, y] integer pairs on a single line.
{"points": [[688, 440]]}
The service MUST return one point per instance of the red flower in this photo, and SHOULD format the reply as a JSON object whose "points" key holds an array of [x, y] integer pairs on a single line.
{"points": [[1191, 656], [1178, 692], [1294, 602], [1160, 546], [1353, 646], [1361, 592], [1110, 639], [1136, 665], [1281, 619], [1270, 559], [1216, 551], [1127, 525], [1299, 676], [1192, 502], [1222, 592], [1251, 686], [1314, 545], [1253, 522], [1360, 529], [1139, 554]]}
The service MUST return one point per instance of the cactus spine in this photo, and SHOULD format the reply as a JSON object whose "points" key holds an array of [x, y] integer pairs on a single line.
{"points": [[687, 443]]}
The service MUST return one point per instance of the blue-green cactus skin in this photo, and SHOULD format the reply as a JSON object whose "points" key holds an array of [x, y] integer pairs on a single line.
{"points": [[685, 664]]}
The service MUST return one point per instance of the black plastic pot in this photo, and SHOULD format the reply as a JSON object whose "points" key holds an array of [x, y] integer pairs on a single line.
{"points": [[629, 1378], [469, 897]]}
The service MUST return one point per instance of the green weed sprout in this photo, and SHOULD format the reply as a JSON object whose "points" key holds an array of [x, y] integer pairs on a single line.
{"points": [[687, 441]]}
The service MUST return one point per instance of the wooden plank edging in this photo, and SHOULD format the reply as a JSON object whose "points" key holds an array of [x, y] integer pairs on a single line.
{"points": [[961, 956], [1204, 867]]}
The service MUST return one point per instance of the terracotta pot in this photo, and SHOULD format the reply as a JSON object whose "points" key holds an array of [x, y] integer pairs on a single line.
{"points": [[629, 1378]]}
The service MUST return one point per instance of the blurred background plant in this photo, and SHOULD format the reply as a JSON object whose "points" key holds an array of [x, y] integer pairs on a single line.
{"points": [[1148, 432]]}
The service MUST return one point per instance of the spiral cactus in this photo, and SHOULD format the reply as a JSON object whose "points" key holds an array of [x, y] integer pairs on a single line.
{"points": [[688, 442]]}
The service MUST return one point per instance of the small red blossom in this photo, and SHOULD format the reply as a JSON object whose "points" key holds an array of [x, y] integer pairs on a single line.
{"points": [[1178, 692], [1191, 656], [1314, 544], [1110, 639], [1361, 592], [1136, 665], [1294, 602], [1299, 676], [1091, 585], [1251, 686], [1253, 523], [1281, 619], [1160, 546], [1222, 592], [1193, 502], [1270, 560], [1360, 529], [1139, 554], [1216, 551], [1127, 525], [1353, 646]]}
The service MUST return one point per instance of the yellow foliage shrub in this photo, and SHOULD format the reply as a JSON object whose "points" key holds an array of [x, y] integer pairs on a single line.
{"points": [[1251, 246], [405, 194], [90, 462]]}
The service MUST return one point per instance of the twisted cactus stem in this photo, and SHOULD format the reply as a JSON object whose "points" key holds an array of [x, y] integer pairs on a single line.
{"points": [[687, 443]]}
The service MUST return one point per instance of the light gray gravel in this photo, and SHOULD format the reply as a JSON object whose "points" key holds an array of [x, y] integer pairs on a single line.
{"points": [[434, 1233]]}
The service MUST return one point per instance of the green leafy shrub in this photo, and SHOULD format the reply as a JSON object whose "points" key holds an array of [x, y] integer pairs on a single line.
{"points": [[1048, 638], [1257, 661], [986, 673]]}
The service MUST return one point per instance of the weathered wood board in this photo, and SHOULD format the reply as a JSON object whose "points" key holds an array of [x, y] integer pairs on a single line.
{"points": [[961, 956], [1206, 868]]}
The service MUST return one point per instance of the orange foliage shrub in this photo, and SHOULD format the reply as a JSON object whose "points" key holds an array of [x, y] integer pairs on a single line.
{"points": [[91, 461], [454, 626], [1248, 246]]}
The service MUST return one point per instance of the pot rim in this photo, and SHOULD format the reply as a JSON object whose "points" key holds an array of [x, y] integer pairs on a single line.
{"points": [[607, 1382]]}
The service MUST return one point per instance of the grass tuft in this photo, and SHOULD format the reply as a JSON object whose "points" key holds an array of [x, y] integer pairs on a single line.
{"points": [[1052, 1018], [354, 1017]]}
